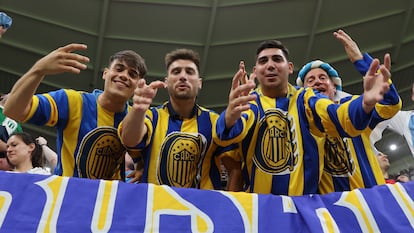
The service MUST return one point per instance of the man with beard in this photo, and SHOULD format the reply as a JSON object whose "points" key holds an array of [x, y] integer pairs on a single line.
{"points": [[175, 139], [87, 142]]}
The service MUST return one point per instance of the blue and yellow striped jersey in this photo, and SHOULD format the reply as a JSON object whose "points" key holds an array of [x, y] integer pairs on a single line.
{"points": [[87, 141], [350, 163], [282, 139], [181, 152]]}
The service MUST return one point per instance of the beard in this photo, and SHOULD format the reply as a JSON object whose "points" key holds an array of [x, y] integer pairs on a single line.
{"points": [[181, 95]]}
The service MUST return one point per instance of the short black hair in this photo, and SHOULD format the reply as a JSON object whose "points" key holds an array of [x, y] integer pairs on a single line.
{"points": [[268, 44]]}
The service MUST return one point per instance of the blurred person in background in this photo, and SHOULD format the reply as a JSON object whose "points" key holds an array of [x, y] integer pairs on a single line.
{"points": [[49, 154], [385, 166], [7, 127], [25, 154]]}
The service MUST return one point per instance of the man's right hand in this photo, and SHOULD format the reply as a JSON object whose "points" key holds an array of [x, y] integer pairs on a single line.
{"points": [[350, 46], [239, 96], [62, 60]]}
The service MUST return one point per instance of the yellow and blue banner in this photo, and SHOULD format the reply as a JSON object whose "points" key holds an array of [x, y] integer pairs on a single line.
{"points": [[37, 203]]}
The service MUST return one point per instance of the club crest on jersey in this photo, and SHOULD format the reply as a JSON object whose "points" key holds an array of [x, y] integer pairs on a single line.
{"points": [[337, 159], [180, 159], [276, 151], [100, 154]]}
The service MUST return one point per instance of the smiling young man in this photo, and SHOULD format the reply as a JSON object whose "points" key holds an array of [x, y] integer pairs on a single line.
{"points": [[87, 141], [176, 139]]}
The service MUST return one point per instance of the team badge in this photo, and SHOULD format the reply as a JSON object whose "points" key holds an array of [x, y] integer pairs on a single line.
{"points": [[100, 154], [180, 159], [337, 159], [276, 150]]}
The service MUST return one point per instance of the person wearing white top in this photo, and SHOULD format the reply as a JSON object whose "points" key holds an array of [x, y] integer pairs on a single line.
{"points": [[402, 123], [25, 154]]}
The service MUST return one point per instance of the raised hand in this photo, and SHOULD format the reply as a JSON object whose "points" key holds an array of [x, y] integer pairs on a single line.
{"points": [[376, 82], [144, 94], [239, 97], [350, 46], [62, 60]]}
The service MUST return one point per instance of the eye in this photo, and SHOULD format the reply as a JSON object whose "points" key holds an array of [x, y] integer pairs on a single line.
{"points": [[323, 77], [190, 71], [133, 74], [175, 71], [277, 58], [262, 60]]}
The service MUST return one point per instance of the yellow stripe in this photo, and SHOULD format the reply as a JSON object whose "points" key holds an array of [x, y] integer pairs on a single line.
{"points": [[69, 146], [35, 103]]}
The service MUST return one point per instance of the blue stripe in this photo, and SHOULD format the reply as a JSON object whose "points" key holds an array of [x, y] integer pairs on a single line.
{"points": [[147, 151], [310, 151], [364, 164]]}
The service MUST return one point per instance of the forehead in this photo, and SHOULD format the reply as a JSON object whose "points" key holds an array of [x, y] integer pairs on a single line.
{"points": [[181, 63], [316, 72], [14, 138], [269, 52], [119, 62]]}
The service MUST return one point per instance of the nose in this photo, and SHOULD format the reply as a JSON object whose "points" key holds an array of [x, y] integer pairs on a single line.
{"points": [[183, 76], [124, 75]]}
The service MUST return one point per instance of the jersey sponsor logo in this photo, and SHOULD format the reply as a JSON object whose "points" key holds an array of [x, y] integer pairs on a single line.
{"points": [[180, 159], [10, 125], [100, 154], [276, 148], [337, 159]]}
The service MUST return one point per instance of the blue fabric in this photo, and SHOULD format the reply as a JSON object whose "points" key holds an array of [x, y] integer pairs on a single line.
{"points": [[411, 126], [363, 65], [5, 20], [78, 205]]}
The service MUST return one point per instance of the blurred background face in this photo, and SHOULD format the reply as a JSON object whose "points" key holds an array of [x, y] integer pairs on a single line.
{"points": [[403, 178], [318, 79], [383, 161], [18, 151]]}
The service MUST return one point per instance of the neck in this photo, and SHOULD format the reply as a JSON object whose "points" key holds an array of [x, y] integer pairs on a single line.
{"points": [[183, 107], [385, 173], [274, 92], [111, 104], [24, 167]]}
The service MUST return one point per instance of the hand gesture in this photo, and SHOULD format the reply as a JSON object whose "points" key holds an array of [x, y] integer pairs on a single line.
{"points": [[41, 140], [350, 46], [144, 94], [239, 96], [62, 60], [376, 82]]}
